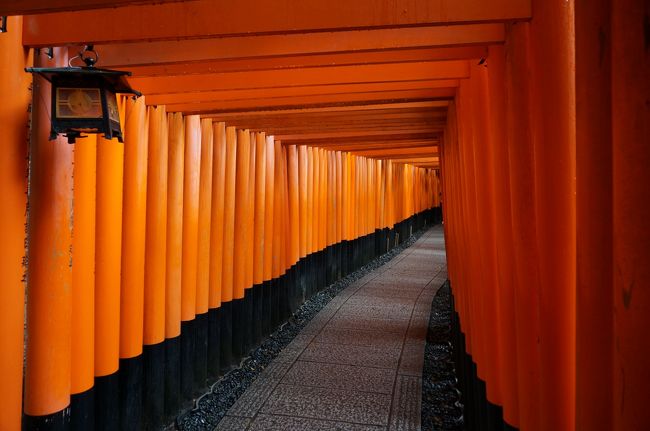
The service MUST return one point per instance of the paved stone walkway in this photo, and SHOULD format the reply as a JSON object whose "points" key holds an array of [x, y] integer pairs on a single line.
{"points": [[357, 366]]}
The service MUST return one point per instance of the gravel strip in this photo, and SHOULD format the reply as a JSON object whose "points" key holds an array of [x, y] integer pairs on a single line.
{"points": [[441, 406], [212, 406]]}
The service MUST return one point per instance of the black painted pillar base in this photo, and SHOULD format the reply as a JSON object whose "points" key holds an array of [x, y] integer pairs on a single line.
{"points": [[479, 413], [131, 379], [59, 421], [201, 323], [247, 322], [266, 308], [82, 410], [214, 343], [188, 341], [107, 403], [225, 331], [153, 390], [258, 299], [238, 319]]}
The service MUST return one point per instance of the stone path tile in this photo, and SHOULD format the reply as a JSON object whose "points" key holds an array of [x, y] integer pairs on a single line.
{"points": [[352, 355], [406, 406], [291, 423], [334, 404], [338, 376], [357, 365]]}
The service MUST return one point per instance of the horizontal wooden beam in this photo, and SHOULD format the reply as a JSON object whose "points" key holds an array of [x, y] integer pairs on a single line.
{"points": [[227, 116], [209, 18], [301, 77], [329, 100], [397, 152], [296, 61], [298, 90], [457, 41], [26, 7]]}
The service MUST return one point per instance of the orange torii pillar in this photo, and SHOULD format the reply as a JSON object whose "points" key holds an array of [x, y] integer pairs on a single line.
{"points": [[241, 251], [14, 86], [203, 256], [310, 287], [269, 236], [217, 215], [227, 273], [259, 243], [108, 245], [303, 167], [338, 255], [631, 211], [250, 245], [190, 224], [83, 285], [49, 275], [153, 352], [174, 260], [293, 184], [278, 235], [132, 266]]}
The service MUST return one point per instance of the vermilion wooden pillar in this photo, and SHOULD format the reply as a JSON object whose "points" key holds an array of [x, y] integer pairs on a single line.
{"points": [[594, 307], [631, 204], [14, 85], [552, 50], [49, 275], [522, 194], [503, 233]]}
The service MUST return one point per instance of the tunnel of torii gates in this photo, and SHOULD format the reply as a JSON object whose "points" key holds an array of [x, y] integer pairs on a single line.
{"points": [[279, 146]]}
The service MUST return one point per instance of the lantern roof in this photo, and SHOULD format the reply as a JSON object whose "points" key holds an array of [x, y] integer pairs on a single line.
{"points": [[112, 79]]}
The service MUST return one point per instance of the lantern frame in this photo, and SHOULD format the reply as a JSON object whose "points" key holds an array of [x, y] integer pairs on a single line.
{"points": [[84, 81]]}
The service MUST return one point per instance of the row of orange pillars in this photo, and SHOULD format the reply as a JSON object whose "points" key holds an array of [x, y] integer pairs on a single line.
{"points": [[154, 266], [546, 191]]}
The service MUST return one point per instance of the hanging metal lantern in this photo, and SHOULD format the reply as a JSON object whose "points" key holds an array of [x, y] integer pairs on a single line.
{"points": [[84, 98]]}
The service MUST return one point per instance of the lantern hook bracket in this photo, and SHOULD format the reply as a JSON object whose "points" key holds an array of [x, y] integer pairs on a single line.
{"points": [[88, 55]]}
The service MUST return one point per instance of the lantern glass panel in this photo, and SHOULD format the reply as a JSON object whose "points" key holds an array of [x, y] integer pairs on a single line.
{"points": [[78, 103]]}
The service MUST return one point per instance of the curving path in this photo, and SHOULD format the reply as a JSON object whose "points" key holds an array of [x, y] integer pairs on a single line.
{"points": [[357, 366]]}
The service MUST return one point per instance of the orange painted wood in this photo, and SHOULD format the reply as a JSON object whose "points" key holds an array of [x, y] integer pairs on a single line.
{"points": [[259, 234], [205, 218], [269, 91], [269, 222], [14, 84], [523, 231], [294, 203], [269, 51], [134, 216], [504, 248], [196, 19], [425, 70], [200, 56], [82, 339], [108, 244], [250, 239], [175, 174], [156, 228], [25, 7], [553, 106], [631, 205], [49, 276], [227, 284], [217, 215], [302, 195], [241, 227], [278, 221], [594, 235], [191, 182]]}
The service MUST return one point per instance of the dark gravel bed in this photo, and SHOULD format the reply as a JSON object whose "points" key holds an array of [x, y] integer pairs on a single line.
{"points": [[441, 407], [212, 406]]}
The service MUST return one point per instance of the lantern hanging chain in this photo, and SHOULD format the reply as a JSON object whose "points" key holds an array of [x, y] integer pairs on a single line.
{"points": [[89, 60]]}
